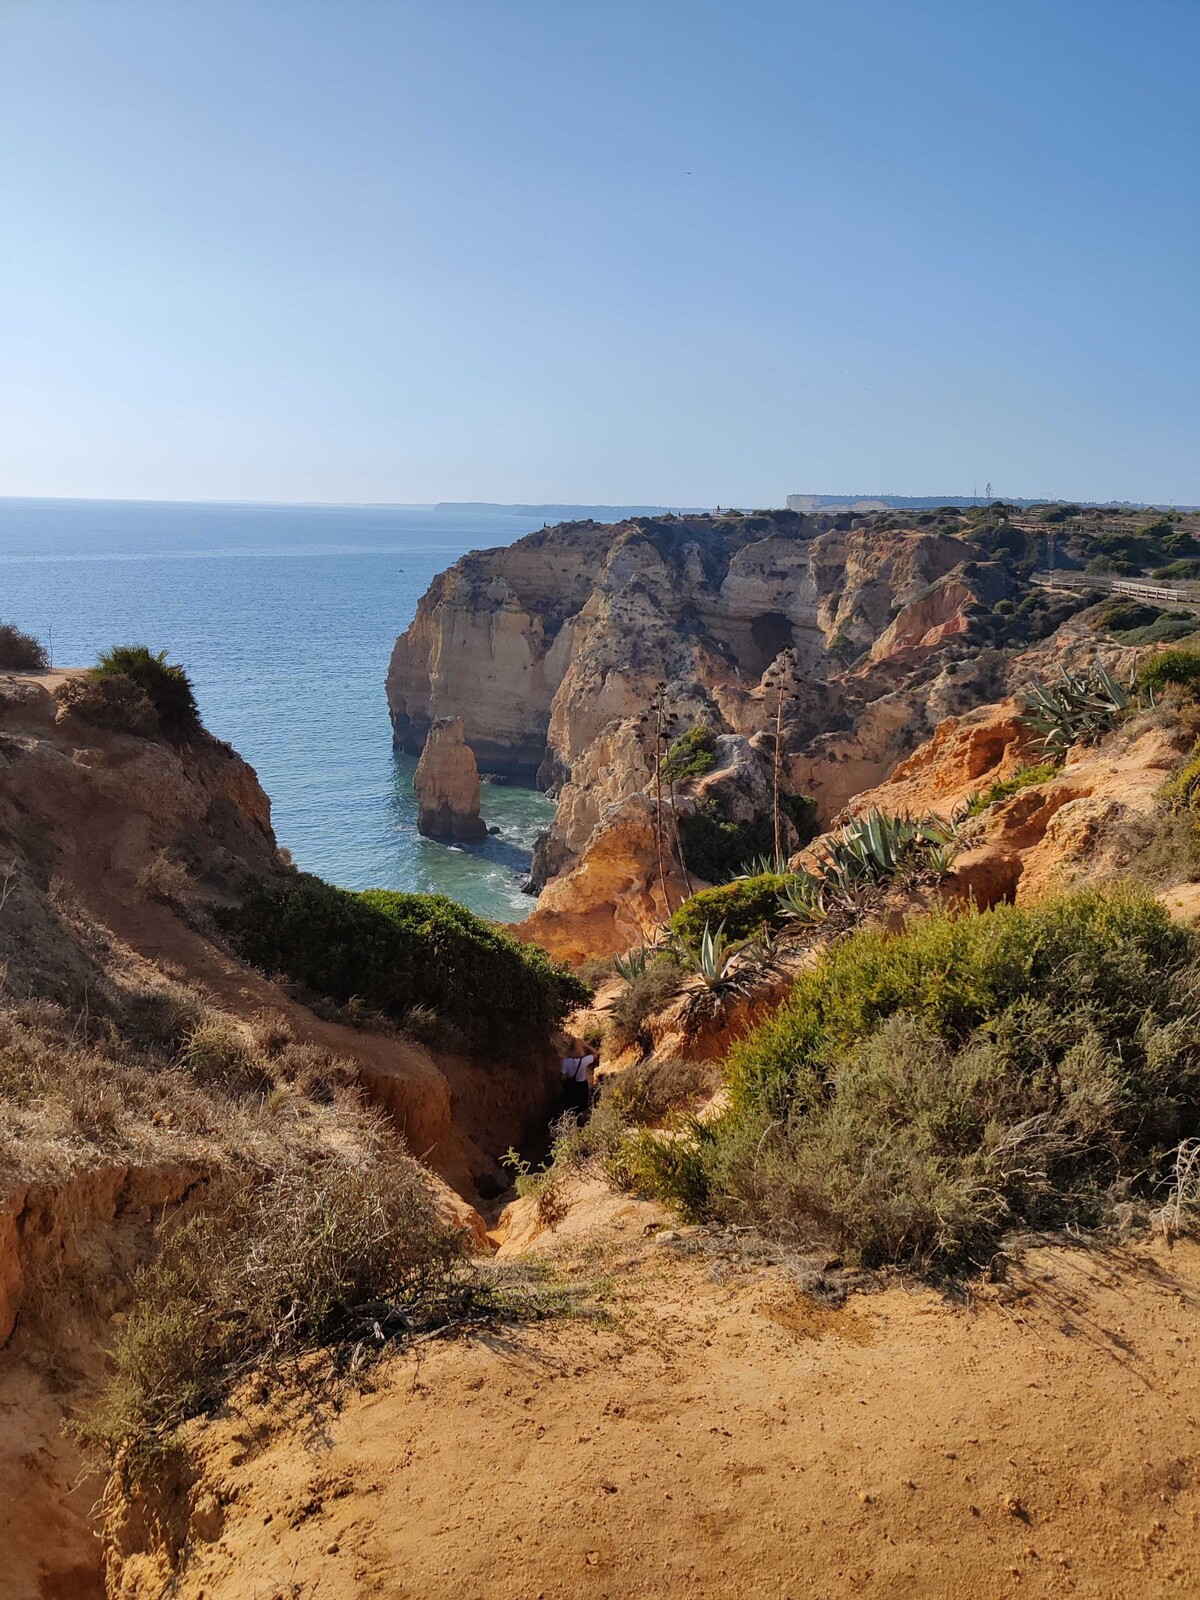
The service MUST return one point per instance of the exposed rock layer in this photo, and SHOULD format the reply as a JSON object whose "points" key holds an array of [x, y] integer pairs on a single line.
{"points": [[551, 651]]}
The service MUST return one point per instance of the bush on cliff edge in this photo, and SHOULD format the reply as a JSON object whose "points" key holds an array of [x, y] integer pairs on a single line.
{"points": [[165, 684], [921, 1094], [21, 652], [399, 951]]}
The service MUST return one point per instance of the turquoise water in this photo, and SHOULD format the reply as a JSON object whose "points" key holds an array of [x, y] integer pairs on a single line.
{"points": [[285, 616]]}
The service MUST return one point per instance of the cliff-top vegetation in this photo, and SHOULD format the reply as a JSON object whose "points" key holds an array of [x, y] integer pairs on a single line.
{"points": [[922, 1094], [400, 953], [133, 689], [21, 652]]}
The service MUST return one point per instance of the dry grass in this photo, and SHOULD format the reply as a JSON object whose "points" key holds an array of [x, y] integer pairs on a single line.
{"points": [[318, 1251], [651, 1091], [164, 1078], [166, 879]]}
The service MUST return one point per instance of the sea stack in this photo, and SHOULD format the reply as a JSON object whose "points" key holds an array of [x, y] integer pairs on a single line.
{"points": [[447, 784]]}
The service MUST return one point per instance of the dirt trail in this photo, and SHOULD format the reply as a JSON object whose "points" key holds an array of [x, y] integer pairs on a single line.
{"points": [[721, 1436]]}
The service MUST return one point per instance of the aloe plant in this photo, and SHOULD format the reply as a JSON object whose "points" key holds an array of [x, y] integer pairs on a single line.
{"points": [[712, 959], [1082, 705], [802, 899]]}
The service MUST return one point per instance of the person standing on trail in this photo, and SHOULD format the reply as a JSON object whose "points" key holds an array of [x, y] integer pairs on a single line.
{"points": [[578, 1075]]}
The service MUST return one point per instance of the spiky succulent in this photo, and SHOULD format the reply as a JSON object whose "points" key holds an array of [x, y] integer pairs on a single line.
{"points": [[1080, 706]]}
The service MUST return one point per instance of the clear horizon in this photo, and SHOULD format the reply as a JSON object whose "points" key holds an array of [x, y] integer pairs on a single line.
{"points": [[431, 505], [395, 254]]}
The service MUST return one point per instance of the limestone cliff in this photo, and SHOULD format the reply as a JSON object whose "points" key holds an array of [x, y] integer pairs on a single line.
{"points": [[550, 651], [447, 784], [488, 645]]}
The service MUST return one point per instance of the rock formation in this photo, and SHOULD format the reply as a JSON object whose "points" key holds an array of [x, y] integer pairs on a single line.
{"points": [[550, 652], [447, 784]]}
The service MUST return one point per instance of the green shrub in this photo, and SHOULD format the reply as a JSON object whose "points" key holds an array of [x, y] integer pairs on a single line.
{"points": [[1181, 792], [1155, 529], [801, 812], [1121, 615], [397, 951], [21, 652], [1179, 668], [1185, 569], [1117, 566], [691, 756], [114, 702], [920, 1094], [715, 849], [746, 907], [674, 1169], [166, 686], [1179, 542], [1003, 788], [1167, 630]]}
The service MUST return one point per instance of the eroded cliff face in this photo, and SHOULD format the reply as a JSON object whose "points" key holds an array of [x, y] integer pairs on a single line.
{"points": [[551, 651], [490, 644], [142, 1060]]}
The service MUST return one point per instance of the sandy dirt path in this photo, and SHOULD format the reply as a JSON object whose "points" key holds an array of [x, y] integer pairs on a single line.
{"points": [[723, 1437]]}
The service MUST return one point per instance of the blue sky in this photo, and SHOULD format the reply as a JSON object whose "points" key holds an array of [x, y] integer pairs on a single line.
{"points": [[599, 251]]}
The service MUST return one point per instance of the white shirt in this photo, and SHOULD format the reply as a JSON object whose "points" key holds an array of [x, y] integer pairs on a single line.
{"points": [[578, 1068]]}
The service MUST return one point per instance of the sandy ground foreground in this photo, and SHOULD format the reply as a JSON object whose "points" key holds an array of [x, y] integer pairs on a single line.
{"points": [[721, 1436]]}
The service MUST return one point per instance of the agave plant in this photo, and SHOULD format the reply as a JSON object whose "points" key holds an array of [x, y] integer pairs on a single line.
{"points": [[869, 849], [1083, 705], [712, 960], [802, 899], [772, 866], [938, 859], [876, 849], [633, 963]]}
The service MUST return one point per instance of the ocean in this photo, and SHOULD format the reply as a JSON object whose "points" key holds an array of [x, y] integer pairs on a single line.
{"points": [[285, 618]]}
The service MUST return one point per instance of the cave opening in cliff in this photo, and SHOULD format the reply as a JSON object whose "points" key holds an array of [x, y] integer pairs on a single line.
{"points": [[769, 633]]}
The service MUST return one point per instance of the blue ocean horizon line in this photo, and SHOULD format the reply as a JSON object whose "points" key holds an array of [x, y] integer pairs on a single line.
{"points": [[448, 508], [234, 552], [249, 505]]}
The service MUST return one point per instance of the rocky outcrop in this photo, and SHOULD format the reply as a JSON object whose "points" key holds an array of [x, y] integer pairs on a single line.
{"points": [[613, 897], [447, 784], [1082, 822], [490, 643], [552, 651]]}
